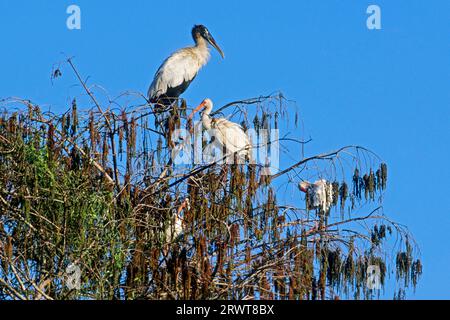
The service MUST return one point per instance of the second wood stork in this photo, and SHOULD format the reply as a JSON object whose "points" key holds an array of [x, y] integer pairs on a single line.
{"points": [[230, 135], [178, 71]]}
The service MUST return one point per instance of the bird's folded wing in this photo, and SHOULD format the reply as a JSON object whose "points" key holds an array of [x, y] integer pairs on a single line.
{"points": [[178, 68], [233, 134]]}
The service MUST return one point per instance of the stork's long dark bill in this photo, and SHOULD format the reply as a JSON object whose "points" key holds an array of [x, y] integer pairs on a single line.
{"points": [[200, 107], [215, 45]]}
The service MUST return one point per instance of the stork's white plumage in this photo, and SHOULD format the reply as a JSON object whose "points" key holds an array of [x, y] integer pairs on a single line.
{"points": [[319, 193], [229, 134], [180, 69]]}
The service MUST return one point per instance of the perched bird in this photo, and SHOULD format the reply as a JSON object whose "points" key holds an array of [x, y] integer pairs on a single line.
{"points": [[180, 69], [319, 193], [175, 227], [230, 135]]}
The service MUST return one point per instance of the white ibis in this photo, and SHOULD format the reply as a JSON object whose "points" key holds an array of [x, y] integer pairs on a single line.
{"points": [[180, 69], [319, 193], [229, 134], [175, 228]]}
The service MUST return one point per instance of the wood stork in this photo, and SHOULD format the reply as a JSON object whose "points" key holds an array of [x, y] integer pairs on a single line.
{"points": [[178, 71], [319, 193], [229, 134]]}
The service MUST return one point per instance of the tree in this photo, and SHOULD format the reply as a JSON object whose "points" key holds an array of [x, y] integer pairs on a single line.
{"points": [[99, 189]]}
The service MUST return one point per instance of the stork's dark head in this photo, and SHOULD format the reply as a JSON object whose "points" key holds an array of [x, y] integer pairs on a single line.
{"points": [[203, 32]]}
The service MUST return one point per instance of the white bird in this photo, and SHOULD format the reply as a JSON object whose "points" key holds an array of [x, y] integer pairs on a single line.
{"points": [[178, 71], [230, 135], [319, 193], [175, 227]]}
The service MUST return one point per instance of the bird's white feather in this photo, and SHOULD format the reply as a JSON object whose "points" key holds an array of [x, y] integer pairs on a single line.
{"points": [[174, 229], [321, 195], [180, 67], [233, 136]]}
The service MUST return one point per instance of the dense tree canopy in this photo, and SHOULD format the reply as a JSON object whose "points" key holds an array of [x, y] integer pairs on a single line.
{"points": [[98, 188]]}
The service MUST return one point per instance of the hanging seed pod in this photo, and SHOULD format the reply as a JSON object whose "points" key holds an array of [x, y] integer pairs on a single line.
{"points": [[334, 267], [371, 185], [66, 125], [183, 107], [235, 237], [248, 255], [335, 192], [276, 120], [38, 113], [416, 272], [30, 111], [366, 186], [176, 115], [349, 268], [121, 137], [124, 118], [256, 123], [9, 248], [343, 194], [174, 110], [265, 121], [132, 137], [51, 142], [74, 118], [75, 159], [382, 232], [105, 150], [374, 235], [378, 180], [159, 149], [357, 184], [189, 126], [7, 253], [127, 191], [12, 124], [170, 129], [383, 175], [92, 130]]}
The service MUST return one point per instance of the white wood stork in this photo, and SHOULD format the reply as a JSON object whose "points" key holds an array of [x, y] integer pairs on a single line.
{"points": [[229, 134], [180, 69], [319, 193]]}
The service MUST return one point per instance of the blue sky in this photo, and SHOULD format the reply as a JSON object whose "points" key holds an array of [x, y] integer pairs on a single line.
{"points": [[384, 89]]}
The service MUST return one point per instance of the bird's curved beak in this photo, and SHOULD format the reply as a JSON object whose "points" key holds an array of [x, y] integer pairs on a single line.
{"points": [[215, 45], [200, 107]]}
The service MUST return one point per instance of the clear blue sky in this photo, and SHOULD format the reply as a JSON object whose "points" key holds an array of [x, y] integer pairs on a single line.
{"points": [[387, 89]]}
